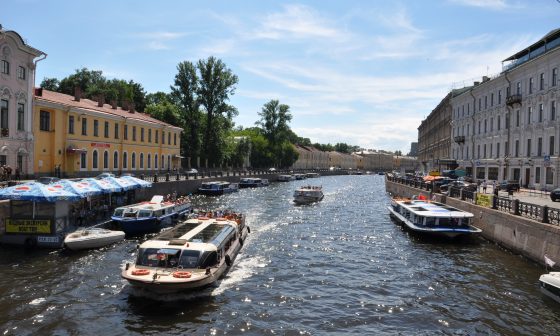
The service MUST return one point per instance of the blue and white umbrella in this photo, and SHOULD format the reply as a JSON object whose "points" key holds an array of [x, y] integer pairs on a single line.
{"points": [[135, 180], [78, 187], [37, 192], [122, 183], [106, 186]]}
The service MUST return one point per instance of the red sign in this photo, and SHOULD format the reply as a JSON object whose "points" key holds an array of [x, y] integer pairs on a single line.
{"points": [[100, 145]]}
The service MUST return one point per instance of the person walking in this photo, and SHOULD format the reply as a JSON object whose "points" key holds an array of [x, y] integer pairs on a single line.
{"points": [[484, 185]]}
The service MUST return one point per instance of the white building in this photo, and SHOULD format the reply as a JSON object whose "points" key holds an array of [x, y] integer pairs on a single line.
{"points": [[507, 127], [17, 76]]}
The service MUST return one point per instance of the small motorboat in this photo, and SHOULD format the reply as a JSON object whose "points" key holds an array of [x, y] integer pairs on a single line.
{"points": [[92, 238], [308, 194], [286, 178], [549, 284]]}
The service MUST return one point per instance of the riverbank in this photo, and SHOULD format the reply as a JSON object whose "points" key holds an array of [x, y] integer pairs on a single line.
{"points": [[527, 237]]}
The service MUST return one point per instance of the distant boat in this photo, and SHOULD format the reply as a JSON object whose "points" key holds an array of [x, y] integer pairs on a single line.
{"points": [[92, 238], [308, 194], [217, 188], [312, 175], [300, 176], [252, 182], [549, 284], [285, 178], [152, 216], [432, 218]]}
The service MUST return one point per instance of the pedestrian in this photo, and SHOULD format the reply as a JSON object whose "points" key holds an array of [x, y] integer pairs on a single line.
{"points": [[8, 170], [484, 185], [17, 174], [2, 173]]}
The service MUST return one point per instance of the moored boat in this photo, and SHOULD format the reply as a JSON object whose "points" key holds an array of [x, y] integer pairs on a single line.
{"points": [[432, 218], [215, 188], [300, 176], [312, 175], [152, 216], [308, 194], [92, 238], [549, 284], [252, 182], [285, 178], [192, 255]]}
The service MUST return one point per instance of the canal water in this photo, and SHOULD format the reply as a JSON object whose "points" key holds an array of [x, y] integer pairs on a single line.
{"points": [[338, 267]]}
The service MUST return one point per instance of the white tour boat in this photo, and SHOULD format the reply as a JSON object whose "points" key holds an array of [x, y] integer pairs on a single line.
{"points": [[549, 284], [193, 254], [308, 194], [432, 217], [92, 238], [286, 178]]}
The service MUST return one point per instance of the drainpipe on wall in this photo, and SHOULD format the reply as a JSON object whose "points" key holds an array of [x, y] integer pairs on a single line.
{"points": [[31, 88], [508, 119], [472, 137]]}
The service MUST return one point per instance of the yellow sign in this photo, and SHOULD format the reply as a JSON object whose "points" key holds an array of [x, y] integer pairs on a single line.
{"points": [[39, 226], [434, 173], [484, 200]]}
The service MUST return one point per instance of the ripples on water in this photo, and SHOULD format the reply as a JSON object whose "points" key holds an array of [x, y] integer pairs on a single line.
{"points": [[337, 267]]}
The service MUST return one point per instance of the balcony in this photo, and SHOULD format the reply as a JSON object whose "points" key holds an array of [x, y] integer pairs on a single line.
{"points": [[513, 99], [4, 132], [459, 139]]}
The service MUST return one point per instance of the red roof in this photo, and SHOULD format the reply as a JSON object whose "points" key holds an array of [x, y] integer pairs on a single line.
{"points": [[68, 100]]}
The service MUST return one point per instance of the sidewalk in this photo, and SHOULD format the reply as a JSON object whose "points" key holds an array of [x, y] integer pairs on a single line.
{"points": [[528, 196]]}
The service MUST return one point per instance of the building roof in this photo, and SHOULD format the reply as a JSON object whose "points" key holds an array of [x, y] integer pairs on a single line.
{"points": [[21, 42], [68, 100], [553, 34]]}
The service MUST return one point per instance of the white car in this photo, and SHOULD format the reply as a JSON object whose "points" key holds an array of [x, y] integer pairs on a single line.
{"points": [[272, 169]]}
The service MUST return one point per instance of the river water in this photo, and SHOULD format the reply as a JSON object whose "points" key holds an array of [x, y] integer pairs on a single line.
{"points": [[341, 266]]}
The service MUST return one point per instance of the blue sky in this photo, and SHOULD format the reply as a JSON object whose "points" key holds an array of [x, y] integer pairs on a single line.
{"points": [[362, 72]]}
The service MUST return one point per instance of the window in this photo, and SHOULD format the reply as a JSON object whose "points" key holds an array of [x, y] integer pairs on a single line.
{"points": [[541, 81], [96, 127], [116, 131], [133, 133], [478, 150], [83, 160], [541, 110], [539, 147], [537, 174], [517, 118], [551, 146], [479, 104], [156, 138], [499, 97], [94, 161], [125, 132], [485, 125], [498, 150], [84, 126], [168, 162], [133, 161], [528, 148], [484, 151], [553, 110], [71, 125], [162, 142], [506, 148], [491, 124], [4, 114], [116, 160], [549, 176], [105, 160], [485, 102], [516, 148], [142, 160], [518, 88], [169, 138], [554, 76], [124, 160], [5, 67], [162, 162], [21, 72], [21, 117], [499, 123], [530, 85], [529, 110], [175, 139], [150, 135], [492, 99], [45, 121], [106, 132], [155, 159], [142, 134], [149, 161]]}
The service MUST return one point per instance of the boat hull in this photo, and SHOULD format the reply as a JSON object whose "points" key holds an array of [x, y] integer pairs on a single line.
{"points": [[93, 241], [441, 231], [308, 199], [550, 285]]}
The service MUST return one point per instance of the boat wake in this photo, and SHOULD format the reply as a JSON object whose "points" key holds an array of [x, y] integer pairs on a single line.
{"points": [[242, 270]]}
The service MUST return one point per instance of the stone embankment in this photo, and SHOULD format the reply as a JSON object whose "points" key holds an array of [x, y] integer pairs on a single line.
{"points": [[521, 235]]}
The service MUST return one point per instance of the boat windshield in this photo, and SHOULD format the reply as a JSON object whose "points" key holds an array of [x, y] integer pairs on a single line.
{"points": [[130, 213], [168, 258], [118, 212], [144, 213]]}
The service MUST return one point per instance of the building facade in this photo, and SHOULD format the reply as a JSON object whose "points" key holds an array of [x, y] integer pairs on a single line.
{"points": [[507, 127], [81, 137], [17, 75], [310, 158]]}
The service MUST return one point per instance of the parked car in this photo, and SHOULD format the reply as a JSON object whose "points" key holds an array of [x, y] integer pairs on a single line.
{"points": [[458, 185], [192, 171], [47, 179], [555, 194], [508, 186], [272, 169]]}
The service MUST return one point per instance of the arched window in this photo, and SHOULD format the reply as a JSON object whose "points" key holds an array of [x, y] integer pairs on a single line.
{"points": [[95, 159], [83, 161], [116, 160], [141, 160], [133, 161], [162, 161], [149, 161], [125, 160], [106, 160], [155, 161], [168, 161]]}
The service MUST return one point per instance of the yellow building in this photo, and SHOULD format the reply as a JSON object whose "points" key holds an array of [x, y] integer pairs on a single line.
{"points": [[82, 137]]}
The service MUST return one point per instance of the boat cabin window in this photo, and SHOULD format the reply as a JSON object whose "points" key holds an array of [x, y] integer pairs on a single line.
{"points": [[167, 258], [208, 259], [118, 212], [189, 259], [130, 213], [144, 213], [430, 221]]}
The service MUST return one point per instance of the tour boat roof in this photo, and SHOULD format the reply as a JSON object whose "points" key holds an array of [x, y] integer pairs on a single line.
{"points": [[433, 209]]}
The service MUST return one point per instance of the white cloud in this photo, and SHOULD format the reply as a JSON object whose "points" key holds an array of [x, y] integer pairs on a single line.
{"points": [[159, 40], [490, 4]]}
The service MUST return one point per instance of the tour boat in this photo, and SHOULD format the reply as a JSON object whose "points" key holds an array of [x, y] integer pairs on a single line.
{"points": [[146, 217], [192, 255], [252, 182], [308, 194], [312, 175], [550, 285], [286, 178], [433, 218], [217, 188], [300, 176], [92, 238]]}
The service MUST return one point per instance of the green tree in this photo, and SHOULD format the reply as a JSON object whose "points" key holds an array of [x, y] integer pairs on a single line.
{"points": [[274, 125], [50, 84]]}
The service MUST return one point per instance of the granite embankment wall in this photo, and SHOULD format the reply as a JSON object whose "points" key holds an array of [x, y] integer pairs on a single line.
{"points": [[520, 235]]}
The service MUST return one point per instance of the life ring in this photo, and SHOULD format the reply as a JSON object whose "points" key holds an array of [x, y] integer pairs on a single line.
{"points": [[203, 218], [182, 274], [228, 260], [140, 272]]}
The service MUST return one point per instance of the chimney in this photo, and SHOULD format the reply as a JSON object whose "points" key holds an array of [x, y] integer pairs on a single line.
{"points": [[114, 104], [77, 93], [476, 83], [100, 100], [132, 108], [125, 105], [39, 92], [485, 79]]}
